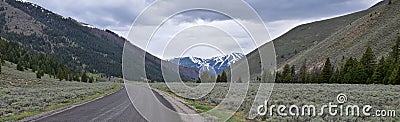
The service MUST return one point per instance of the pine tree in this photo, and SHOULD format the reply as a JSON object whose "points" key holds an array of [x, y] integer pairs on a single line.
{"points": [[286, 69], [395, 76], [326, 72], [90, 80], [224, 77], [344, 73], [335, 76], [359, 74], [279, 77], [293, 70], [379, 73], [33, 67], [76, 77], [84, 77], [19, 66], [286, 74], [198, 80], [396, 51], [39, 74], [353, 72], [1, 61], [389, 67], [303, 73], [1, 64], [219, 78], [288, 78], [368, 60], [390, 62], [293, 74], [60, 74]]}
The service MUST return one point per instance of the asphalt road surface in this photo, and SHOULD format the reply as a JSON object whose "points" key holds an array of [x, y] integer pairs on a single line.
{"points": [[115, 107]]}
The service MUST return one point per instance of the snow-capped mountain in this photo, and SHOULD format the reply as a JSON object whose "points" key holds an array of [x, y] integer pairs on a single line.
{"points": [[219, 63]]}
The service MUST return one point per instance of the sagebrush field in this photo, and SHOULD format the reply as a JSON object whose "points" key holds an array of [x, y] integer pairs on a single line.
{"points": [[382, 97], [22, 94]]}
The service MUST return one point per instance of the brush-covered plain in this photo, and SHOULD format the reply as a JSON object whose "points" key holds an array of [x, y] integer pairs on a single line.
{"points": [[23, 95], [380, 97]]}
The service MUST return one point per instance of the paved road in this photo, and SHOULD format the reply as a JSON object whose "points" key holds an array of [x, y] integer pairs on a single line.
{"points": [[115, 107]]}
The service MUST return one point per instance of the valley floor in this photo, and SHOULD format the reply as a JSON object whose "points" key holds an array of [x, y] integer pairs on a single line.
{"points": [[380, 97]]}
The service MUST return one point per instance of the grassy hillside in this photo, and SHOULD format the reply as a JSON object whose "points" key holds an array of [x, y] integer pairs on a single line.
{"points": [[378, 29], [305, 36], [339, 37]]}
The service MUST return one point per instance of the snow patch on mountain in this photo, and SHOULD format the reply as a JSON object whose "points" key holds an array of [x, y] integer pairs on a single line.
{"points": [[219, 63]]}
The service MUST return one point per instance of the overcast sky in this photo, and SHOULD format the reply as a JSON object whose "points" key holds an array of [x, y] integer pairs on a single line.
{"points": [[278, 15]]}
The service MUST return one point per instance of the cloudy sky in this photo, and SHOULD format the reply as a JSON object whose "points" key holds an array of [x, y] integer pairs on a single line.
{"points": [[279, 16]]}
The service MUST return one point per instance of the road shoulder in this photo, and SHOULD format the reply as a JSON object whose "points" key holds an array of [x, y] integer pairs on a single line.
{"points": [[187, 113]]}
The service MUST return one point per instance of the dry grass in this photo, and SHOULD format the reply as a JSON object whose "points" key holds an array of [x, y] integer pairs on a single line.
{"points": [[378, 29], [379, 96]]}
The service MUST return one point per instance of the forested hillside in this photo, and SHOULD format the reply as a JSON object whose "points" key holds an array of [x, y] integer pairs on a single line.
{"points": [[71, 42], [65, 39], [39, 63]]}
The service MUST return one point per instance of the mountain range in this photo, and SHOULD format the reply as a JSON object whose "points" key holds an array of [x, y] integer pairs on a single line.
{"points": [[219, 63]]}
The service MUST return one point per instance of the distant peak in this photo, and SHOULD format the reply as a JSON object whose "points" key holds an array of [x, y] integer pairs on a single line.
{"points": [[219, 63]]}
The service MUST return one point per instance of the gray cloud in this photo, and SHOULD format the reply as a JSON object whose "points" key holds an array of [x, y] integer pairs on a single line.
{"points": [[191, 16], [114, 14], [279, 15], [100, 13], [272, 10]]}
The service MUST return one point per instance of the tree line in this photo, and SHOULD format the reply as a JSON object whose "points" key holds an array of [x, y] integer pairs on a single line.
{"points": [[205, 77], [39, 63], [367, 70]]}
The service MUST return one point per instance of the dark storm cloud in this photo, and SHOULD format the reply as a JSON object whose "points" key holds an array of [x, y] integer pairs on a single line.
{"points": [[191, 16], [271, 10], [100, 13], [279, 15], [118, 15]]}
